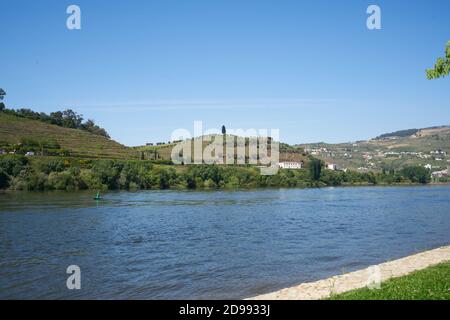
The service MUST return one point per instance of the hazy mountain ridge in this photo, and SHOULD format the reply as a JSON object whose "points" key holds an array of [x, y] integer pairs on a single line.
{"points": [[411, 132], [426, 146]]}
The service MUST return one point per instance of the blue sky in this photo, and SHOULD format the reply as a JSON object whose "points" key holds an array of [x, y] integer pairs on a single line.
{"points": [[312, 69]]}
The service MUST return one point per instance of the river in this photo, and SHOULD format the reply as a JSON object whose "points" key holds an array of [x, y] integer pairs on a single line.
{"points": [[208, 245]]}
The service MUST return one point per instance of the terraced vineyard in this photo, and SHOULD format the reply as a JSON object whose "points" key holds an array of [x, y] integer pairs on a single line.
{"points": [[78, 142], [163, 152], [428, 146]]}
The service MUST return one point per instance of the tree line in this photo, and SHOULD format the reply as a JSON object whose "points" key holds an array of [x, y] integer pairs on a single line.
{"points": [[55, 173], [67, 118]]}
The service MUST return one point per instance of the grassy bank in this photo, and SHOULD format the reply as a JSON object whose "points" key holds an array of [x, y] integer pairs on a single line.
{"points": [[432, 283]]}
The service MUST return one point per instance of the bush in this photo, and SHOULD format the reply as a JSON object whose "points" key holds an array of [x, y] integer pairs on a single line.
{"points": [[21, 173], [13, 165], [53, 165], [59, 181], [107, 172], [4, 179], [416, 174]]}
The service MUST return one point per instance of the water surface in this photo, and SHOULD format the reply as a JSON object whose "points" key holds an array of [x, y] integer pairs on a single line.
{"points": [[200, 245]]}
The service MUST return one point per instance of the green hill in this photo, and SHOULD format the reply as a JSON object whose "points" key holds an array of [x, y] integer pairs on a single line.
{"points": [[77, 142], [163, 152], [15, 130], [428, 146]]}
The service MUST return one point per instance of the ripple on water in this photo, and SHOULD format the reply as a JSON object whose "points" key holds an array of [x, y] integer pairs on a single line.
{"points": [[166, 244]]}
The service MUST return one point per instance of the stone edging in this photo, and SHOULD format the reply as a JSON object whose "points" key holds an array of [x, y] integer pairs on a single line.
{"points": [[358, 279]]}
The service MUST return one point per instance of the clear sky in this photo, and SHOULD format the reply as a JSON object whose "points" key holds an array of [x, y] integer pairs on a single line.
{"points": [[312, 69]]}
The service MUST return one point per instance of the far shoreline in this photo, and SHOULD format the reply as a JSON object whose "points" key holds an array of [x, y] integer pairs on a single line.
{"points": [[398, 185]]}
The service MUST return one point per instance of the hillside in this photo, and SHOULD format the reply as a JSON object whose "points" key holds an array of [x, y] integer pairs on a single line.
{"points": [[398, 134], [79, 143], [163, 152], [414, 133], [427, 146]]}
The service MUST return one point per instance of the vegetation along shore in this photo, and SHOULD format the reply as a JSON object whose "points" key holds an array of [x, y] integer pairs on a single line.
{"points": [[62, 151], [19, 172]]}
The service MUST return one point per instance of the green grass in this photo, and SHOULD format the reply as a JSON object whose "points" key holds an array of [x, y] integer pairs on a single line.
{"points": [[80, 143], [432, 283]]}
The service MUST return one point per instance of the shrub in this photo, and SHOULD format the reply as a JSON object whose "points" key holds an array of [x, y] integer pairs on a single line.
{"points": [[4, 179], [53, 165], [416, 174], [13, 165]]}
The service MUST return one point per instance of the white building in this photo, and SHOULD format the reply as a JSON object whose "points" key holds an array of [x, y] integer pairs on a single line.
{"points": [[29, 154], [438, 152], [439, 174], [428, 166], [332, 166], [290, 165]]}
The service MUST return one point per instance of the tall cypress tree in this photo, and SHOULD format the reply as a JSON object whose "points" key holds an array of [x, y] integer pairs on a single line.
{"points": [[315, 168]]}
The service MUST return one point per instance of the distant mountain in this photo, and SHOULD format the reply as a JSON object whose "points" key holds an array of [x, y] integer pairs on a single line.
{"points": [[408, 132], [426, 146], [398, 134]]}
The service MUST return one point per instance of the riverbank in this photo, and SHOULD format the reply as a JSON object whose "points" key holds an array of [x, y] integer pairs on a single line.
{"points": [[330, 287], [241, 189], [432, 283]]}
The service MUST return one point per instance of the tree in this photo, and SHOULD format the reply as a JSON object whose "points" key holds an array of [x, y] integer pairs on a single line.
{"points": [[4, 179], [224, 130], [71, 119], [416, 174], [90, 126], [56, 118], [442, 66], [2, 95], [315, 168]]}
